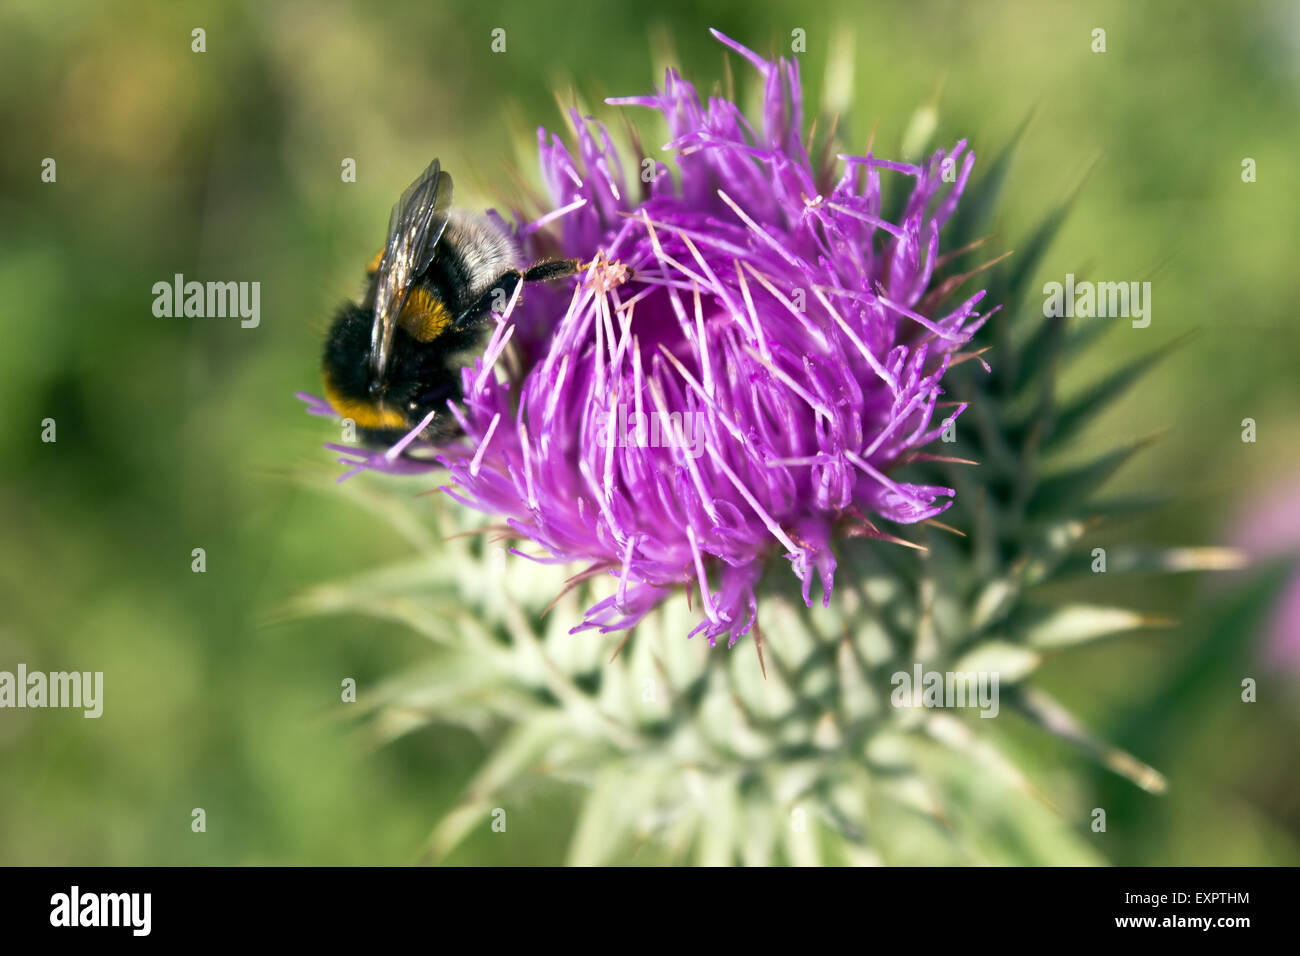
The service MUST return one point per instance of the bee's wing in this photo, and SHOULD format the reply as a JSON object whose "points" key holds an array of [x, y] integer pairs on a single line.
{"points": [[414, 229]]}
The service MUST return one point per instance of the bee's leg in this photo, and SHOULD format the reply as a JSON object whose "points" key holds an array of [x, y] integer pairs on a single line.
{"points": [[493, 299], [553, 269], [495, 296]]}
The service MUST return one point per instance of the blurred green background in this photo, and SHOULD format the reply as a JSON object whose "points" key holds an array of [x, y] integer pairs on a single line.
{"points": [[182, 433]]}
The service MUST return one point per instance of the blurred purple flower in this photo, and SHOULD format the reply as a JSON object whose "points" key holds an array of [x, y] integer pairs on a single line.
{"points": [[775, 352], [1269, 529]]}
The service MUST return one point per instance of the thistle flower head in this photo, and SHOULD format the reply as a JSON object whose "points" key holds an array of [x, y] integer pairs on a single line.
{"points": [[753, 349]]}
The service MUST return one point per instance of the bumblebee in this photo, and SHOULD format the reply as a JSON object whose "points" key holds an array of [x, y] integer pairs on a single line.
{"points": [[390, 360]]}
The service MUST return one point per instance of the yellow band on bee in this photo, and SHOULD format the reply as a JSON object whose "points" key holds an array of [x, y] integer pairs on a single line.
{"points": [[364, 413], [373, 265], [424, 317]]}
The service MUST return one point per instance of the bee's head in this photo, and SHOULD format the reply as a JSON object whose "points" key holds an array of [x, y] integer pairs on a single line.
{"points": [[388, 406]]}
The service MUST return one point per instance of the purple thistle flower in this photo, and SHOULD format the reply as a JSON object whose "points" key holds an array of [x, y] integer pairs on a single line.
{"points": [[751, 352]]}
